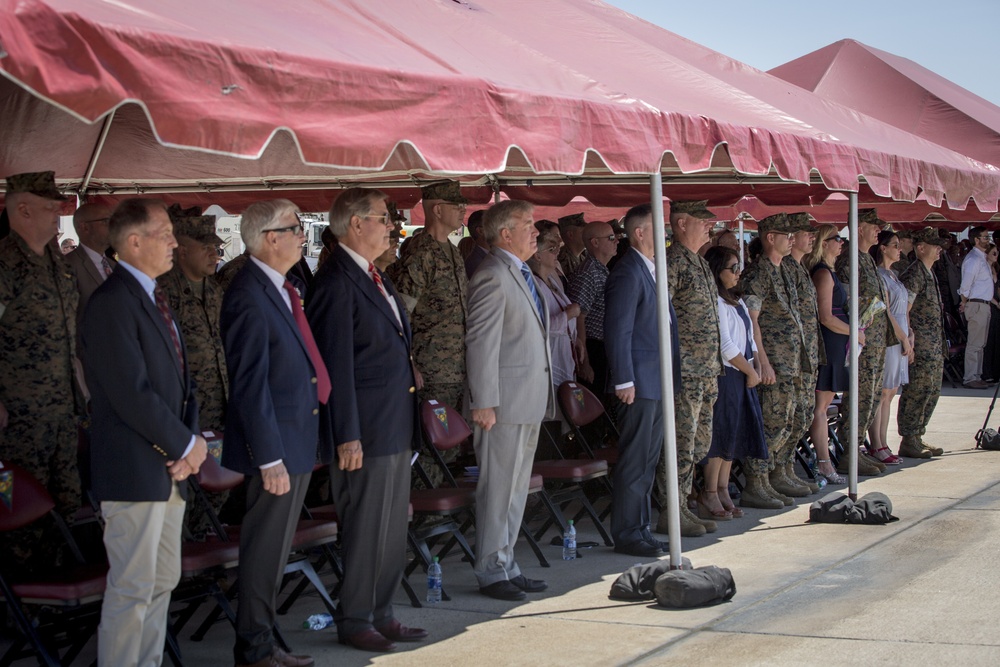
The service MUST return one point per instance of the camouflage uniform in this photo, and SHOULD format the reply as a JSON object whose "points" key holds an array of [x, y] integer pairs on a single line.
{"points": [[871, 360], [696, 301], [772, 292], [919, 397], [813, 337], [569, 261], [229, 270], [38, 386]]}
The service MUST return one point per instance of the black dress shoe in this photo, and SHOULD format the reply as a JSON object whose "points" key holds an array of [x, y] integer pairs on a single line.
{"points": [[397, 632], [367, 640], [647, 536], [503, 590], [529, 585], [640, 549]]}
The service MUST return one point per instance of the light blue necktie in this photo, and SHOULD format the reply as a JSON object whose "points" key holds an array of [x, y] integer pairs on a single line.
{"points": [[534, 291]]}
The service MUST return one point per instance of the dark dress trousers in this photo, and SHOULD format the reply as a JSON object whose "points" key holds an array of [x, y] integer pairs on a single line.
{"points": [[373, 399], [273, 414], [631, 338]]}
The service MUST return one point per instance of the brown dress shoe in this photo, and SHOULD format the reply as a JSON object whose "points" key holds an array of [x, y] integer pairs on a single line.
{"points": [[289, 660], [397, 632], [367, 640]]}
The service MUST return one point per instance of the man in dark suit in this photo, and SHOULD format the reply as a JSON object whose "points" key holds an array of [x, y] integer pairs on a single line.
{"points": [[89, 262], [364, 335], [631, 337], [144, 434], [278, 386], [510, 393]]}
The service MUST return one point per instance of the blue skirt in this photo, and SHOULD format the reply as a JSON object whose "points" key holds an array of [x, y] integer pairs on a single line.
{"points": [[737, 422]]}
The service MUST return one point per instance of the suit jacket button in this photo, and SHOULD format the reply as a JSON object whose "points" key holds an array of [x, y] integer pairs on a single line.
{"points": [[314, 380], [315, 411], [412, 389]]}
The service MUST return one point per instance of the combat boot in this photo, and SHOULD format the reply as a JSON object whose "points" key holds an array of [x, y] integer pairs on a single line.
{"points": [[708, 525], [935, 451], [785, 486], [689, 528], [755, 496], [783, 499], [910, 447], [872, 461], [865, 469], [789, 470]]}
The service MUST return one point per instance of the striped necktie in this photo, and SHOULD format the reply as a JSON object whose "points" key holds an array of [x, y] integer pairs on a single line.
{"points": [[376, 278], [526, 272], [168, 319]]}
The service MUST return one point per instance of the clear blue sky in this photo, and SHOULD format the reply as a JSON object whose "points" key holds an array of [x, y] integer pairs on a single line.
{"points": [[957, 39]]}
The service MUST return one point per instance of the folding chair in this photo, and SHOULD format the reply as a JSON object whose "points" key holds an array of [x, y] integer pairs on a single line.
{"points": [[954, 362], [52, 611], [581, 407]]}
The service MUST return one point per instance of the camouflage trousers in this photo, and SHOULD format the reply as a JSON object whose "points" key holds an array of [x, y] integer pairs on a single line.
{"points": [[920, 396], [871, 366], [786, 418], [47, 449], [693, 423], [211, 417], [451, 393]]}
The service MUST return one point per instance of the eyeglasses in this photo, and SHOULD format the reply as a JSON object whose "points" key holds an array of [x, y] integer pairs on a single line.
{"points": [[384, 217], [104, 220], [295, 229], [460, 207], [734, 269], [613, 237], [836, 239], [893, 245], [550, 249]]}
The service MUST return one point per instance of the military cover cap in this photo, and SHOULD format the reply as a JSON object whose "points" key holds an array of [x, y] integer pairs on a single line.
{"points": [[449, 191], [697, 209], [778, 222], [575, 220], [800, 222], [870, 216], [927, 235], [394, 213], [40, 183], [903, 233], [191, 223]]}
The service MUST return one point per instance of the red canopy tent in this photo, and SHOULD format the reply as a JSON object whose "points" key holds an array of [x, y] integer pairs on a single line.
{"points": [[214, 102]]}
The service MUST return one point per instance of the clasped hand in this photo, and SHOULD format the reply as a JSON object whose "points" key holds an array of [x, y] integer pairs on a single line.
{"points": [[189, 465]]}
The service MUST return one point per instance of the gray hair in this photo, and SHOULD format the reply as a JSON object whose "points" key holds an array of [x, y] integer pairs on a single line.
{"points": [[501, 216], [351, 202], [258, 217]]}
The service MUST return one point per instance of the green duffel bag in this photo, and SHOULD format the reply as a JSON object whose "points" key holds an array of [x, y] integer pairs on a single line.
{"points": [[703, 586]]}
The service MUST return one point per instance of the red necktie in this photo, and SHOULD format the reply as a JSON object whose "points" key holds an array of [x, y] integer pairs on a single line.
{"points": [[106, 266], [376, 278], [164, 308], [322, 376]]}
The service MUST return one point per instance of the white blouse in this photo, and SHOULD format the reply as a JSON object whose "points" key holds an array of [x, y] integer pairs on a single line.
{"points": [[732, 333]]}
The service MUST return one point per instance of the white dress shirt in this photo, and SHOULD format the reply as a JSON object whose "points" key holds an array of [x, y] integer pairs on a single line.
{"points": [[363, 263], [732, 333], [977, 278]]}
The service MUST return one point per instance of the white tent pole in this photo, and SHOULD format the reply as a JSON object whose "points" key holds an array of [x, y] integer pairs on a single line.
{"points": [[742, 246], [105, 129], [852, 446], [666, 371]]}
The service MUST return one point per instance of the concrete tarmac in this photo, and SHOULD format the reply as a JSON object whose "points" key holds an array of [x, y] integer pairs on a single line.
{"points": [[923, 588]]}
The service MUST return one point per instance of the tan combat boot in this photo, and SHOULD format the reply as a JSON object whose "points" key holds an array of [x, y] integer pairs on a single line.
{"points": [[689, 528], [789, 469], [910, 447], [784, 486], [708, 525], [871, 460], [770, 490], [935, 451], [865, 469], [755, 496]]}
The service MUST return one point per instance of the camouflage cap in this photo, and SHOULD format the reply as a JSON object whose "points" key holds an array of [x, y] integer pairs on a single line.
{"points": [[775, 223], [697, 209], [449, 191], [575, 220], [800, 222], [40, 183], [927, 235], [394, 214], [903, 233], [870, 216], [201, 228]]}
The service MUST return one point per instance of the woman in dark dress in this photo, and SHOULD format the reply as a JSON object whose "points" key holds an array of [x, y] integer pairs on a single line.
{"points": [[833, 377]]}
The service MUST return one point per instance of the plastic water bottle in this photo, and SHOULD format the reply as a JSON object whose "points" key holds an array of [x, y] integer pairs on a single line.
{"points": [[434, 582], [817, 478], [318, 622], [569, 542]]}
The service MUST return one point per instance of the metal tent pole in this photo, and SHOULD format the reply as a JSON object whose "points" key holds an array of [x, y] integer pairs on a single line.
{"points": [[852, 222], [666, 371]]}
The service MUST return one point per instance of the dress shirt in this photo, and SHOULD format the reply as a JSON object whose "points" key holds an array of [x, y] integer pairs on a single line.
{"points": [[96, 258], [732, 333], [977, 278], [148, 285], [363, 265]]}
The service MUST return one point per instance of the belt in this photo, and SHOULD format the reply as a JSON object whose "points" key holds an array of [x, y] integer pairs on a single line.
{"points": [[977, 300]]}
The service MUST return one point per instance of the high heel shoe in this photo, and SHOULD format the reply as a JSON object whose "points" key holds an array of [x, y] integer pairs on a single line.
{"points": [[885, 455], [832, 478], [735, 511], [705, 512]]}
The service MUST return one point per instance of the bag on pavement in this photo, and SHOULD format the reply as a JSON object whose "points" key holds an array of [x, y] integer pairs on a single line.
{"points": [[683, 589]]}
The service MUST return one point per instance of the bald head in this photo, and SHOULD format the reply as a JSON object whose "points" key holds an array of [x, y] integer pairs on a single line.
{"points": [[91, 224], [598, 239]]}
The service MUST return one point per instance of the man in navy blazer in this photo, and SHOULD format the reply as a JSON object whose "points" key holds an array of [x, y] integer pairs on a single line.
{"points": [[144, 433], [364, 336], [278, 387], [631, 338]]}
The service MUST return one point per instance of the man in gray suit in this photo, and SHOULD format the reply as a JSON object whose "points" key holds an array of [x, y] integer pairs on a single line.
{"points": [[510, 392], [89, 263]]}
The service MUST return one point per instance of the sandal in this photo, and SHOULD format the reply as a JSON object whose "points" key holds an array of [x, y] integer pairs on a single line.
{"points": [[885, 455], [730, 507], [705, 512], [832, 478]]}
